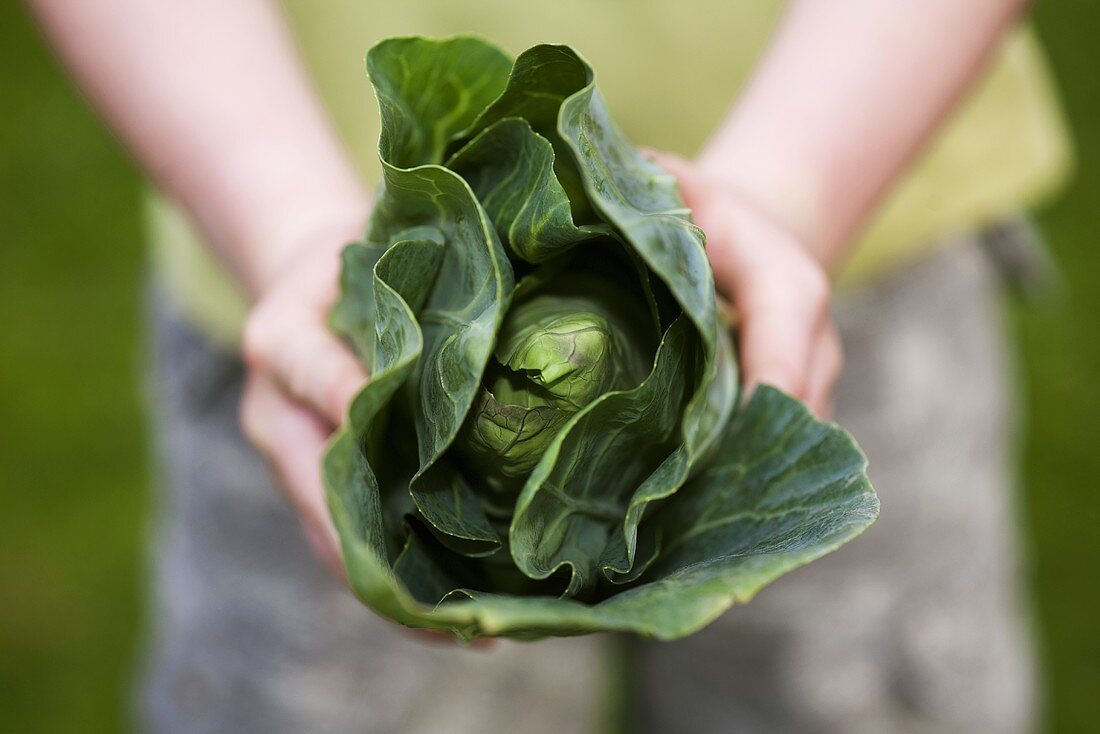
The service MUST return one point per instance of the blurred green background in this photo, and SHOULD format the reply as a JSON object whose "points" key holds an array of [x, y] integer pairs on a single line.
{"points": [[74, 448]]}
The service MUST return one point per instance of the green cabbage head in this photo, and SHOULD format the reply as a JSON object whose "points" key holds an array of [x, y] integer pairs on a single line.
{"points": [[552, 440]]}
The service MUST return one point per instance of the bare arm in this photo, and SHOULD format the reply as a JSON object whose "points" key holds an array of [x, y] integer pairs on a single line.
{"points": [[211, 99], [846, 93]]}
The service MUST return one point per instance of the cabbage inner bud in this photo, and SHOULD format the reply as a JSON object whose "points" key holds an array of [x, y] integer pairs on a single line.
{"points": [[554, 355]]}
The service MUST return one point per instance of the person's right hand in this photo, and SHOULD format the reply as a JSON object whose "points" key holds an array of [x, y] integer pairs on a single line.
{"points": [[300, 380]]}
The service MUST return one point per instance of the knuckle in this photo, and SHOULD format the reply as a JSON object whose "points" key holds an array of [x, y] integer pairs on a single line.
{"points": [[780, 372], [300, 375], [340, 377], [814, 286], [335, 400], [256, 338]]}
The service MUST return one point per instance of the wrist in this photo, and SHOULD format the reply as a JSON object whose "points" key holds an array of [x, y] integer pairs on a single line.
{"points": [[788, 195], [260, 203], [328, 225]]}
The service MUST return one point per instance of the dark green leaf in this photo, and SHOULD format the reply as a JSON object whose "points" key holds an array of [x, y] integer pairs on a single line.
{"points": [[558, 447]]}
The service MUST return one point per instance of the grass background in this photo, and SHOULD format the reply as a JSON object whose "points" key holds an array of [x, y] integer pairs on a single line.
{"points": [[73, 444]]}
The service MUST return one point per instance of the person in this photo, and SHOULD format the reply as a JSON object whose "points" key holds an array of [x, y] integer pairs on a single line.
{"points": [[868, 144]]}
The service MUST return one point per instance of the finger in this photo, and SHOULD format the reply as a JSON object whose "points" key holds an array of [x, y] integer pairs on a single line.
{"points": [[293, 439], [826, 363], [682, 169], [779, 327], [318, 370], [671, 162], [311, 365]]}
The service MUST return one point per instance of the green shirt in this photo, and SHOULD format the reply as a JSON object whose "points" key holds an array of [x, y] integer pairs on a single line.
{"points": [[668, 71]]}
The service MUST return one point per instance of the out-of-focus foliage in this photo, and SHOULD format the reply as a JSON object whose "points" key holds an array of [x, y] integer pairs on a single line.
{"points": [[1061, 366], [72, 431]]}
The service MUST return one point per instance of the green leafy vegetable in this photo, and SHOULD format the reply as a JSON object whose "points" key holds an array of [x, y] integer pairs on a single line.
{"points": [[552, 441]]}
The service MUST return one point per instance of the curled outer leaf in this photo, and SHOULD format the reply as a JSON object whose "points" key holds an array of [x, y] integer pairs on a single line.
{"points": [[551, 440]]}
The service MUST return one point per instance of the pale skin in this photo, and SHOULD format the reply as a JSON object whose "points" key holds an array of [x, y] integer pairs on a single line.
{"points": [[210, 98]]}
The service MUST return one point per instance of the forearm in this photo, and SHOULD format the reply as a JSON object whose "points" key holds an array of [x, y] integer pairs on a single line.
{"points": [[843, 98], [211, 99]]}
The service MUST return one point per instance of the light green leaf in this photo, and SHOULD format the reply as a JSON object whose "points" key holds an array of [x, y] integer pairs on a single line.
{"points": [[569, 341]]}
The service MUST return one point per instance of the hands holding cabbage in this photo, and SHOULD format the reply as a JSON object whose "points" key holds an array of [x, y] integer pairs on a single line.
{"points": [[552, 440]]}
